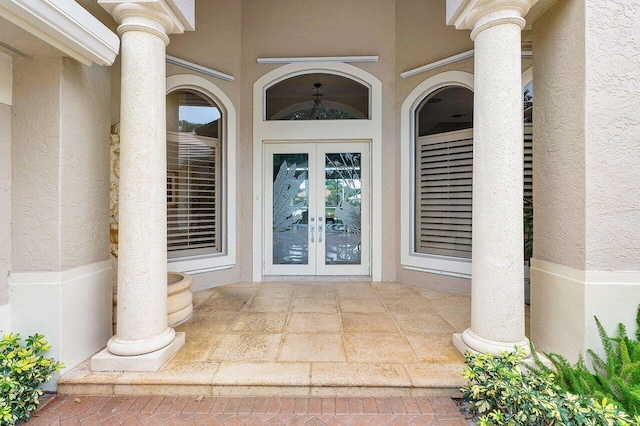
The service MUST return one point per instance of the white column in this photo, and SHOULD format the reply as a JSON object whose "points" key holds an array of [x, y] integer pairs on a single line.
{"points": [[497, 275], [143, 341]]}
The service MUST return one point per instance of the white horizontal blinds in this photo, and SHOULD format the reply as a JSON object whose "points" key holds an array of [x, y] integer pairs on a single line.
{"points": [[444, 169], [528, 160], [193, 194], [528, 177]]}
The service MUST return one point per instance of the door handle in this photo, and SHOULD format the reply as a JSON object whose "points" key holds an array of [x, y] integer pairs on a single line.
{"points": [[319, 233], [312, 231]]}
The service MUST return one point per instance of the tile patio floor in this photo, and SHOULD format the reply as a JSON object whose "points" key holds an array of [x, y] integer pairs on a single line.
{"points": [[305, 339]]}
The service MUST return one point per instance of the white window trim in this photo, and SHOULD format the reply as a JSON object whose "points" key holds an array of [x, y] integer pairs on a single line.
{"points": [[370, 129], [408, 258], [227, 258]]}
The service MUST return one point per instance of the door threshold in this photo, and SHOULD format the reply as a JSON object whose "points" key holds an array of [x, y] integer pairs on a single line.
{"points": [[312, 278]]}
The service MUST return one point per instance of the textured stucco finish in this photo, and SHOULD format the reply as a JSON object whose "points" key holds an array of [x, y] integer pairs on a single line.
{"points": [[559, 148], [586, 193], [587, 200], [35, 206], [5, 201], [559, 169], [612, 126], [60, 181], [84, 188]]}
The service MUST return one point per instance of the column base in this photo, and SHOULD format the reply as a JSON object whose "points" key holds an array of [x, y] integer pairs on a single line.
{"points": [[107, 362], [470, 341], [459, 343]]}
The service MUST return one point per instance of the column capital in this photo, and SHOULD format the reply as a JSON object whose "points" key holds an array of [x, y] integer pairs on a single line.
{"points": [[478, 15], [159, 17]]}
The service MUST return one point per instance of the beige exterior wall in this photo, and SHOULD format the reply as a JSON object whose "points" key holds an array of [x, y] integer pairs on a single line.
{"points": [[35, 165], [559, 129], [84, 175], [612, 127], [586, 191], [5, 201], [422, 37], [334, 28], [216, 44], [60, 165], [5, 176]]}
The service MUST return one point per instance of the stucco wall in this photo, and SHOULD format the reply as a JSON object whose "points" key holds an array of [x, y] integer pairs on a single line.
{"points": [[290, 28], [5, 201], [84, 191], [6, 83], [559, 148], [216, 44], [612, 125], [422, 37], [60, 197], [35, 165], [586, 193]]}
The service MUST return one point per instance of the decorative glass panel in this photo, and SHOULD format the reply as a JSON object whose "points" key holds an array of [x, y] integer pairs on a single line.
{"points": [[290, 209], [343, 215]]}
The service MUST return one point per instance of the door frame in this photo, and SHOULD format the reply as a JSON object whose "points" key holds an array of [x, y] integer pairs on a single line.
{"points": [[319, 130], [316, 151]]}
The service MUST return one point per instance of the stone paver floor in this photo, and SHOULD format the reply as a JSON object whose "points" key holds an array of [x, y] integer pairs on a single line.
{"points": [[171, 410]]}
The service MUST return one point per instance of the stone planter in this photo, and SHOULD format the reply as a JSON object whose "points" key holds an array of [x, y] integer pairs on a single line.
{"points": [[179, 299]]}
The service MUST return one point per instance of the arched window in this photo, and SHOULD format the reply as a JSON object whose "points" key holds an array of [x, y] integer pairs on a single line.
{"points": [[437, 173], [317, 96], [195, 183], [443, 158]]}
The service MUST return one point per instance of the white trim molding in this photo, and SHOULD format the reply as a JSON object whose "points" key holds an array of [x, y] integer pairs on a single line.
{"points": [[316, 59], [437, 64], [199, 68], [525, 54], [408, 258], [361, 130], [227, 259], [65, 25]]}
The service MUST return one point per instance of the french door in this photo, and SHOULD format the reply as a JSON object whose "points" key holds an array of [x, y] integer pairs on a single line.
{"points": [[317, 208]]}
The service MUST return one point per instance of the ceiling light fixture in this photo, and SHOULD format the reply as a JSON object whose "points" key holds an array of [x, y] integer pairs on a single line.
{"points": [[317, 105]]}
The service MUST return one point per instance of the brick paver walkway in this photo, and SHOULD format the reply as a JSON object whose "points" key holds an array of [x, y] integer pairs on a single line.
{"points": [[168, 410]]}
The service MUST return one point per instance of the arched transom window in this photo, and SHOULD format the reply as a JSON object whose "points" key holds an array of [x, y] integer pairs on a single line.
{"points": [[317, 96]]}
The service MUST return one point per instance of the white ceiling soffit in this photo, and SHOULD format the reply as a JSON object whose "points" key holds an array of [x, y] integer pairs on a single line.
{"points": [[65, 25]]}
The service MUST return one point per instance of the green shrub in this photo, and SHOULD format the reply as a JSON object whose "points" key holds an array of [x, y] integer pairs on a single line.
{"points": [[504, 392], [617, 378], [24, 369]]}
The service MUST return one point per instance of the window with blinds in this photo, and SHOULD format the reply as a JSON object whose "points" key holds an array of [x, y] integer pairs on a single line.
{"points": [[194, 179], [443, 192]]}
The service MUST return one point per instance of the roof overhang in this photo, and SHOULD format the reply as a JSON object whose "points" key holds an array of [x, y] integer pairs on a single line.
{"points": [[65, 25]]}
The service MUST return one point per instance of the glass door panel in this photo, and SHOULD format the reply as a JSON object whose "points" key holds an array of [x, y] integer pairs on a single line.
{"points": [[316, 209], [343, 208], [290, 209]]}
